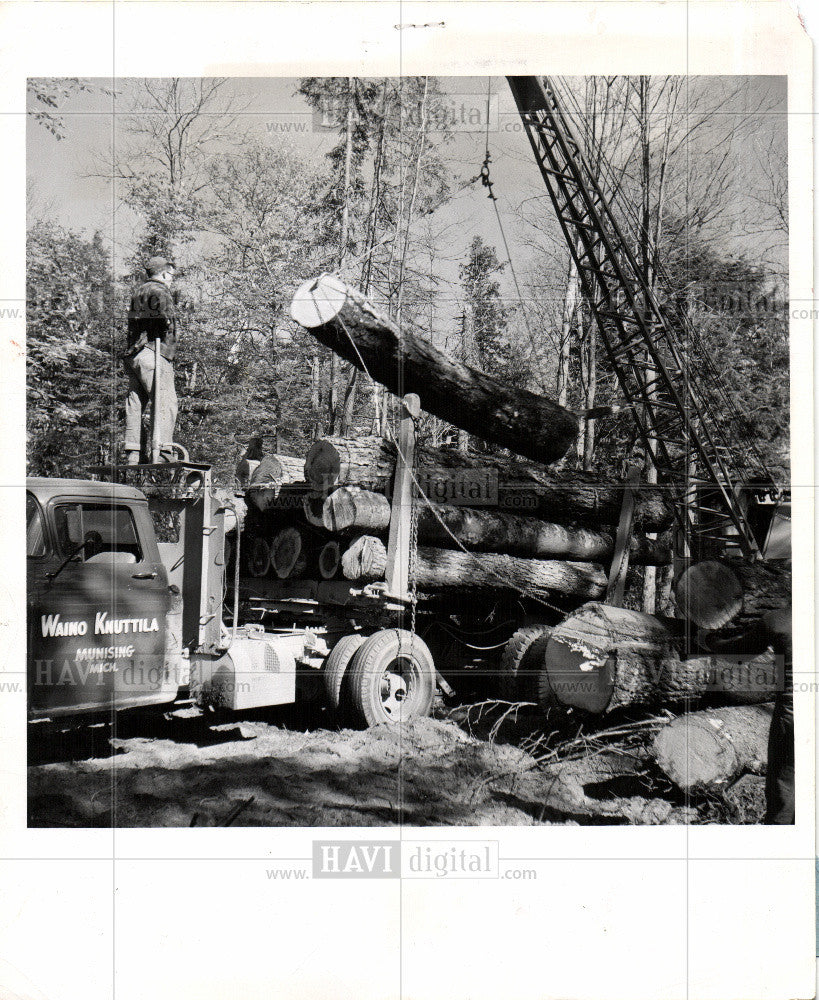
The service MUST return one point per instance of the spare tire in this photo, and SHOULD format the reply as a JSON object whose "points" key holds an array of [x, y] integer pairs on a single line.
{"points": [[392, 678], [522, 662]]}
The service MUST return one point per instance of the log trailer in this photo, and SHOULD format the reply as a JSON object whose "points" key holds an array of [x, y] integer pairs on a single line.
{"points": [[133, 602]]}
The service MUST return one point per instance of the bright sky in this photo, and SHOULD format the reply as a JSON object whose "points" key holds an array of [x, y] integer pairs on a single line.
{"points": [[59, 170]]}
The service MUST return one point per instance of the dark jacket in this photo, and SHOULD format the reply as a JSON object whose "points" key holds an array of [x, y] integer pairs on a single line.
{"points": [[152, 314]]}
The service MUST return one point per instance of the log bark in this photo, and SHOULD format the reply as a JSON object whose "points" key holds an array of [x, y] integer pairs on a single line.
{"points": [[708, 750], [445, 526], [353, 507], [343, 320], [366, 559], [369, 462], [285, 551]]}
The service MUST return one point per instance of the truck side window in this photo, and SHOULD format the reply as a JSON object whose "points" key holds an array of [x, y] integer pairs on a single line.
{"points": [[105, 528], [35, 529]]}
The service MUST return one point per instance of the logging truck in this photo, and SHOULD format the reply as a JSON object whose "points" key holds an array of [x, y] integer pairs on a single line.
{"points": [[126, 591]]}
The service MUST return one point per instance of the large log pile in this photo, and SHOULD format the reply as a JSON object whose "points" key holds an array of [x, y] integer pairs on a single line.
{"points": [[328, 517]]}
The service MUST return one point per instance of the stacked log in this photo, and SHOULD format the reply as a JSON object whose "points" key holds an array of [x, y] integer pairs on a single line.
{"points": [[369, 462], [469, 538]]}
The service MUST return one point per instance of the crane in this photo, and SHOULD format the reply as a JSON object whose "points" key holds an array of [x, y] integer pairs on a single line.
{"points": [[681, 411]]}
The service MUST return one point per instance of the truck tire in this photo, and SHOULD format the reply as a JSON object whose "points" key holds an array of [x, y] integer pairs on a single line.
{"points": [[392, 678], [335, 667], [522, 663]]}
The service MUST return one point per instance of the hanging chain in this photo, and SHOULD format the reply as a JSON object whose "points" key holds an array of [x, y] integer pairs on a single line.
{"points": [[412, 561]]}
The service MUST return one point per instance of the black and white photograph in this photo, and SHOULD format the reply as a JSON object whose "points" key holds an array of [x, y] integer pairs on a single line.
{"points": [[408, 500], [408, 450]]}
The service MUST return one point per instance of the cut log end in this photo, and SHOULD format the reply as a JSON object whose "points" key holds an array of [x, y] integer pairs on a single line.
{"points": [[708, 594], [285, 550], [329, 560], [318, 301]]}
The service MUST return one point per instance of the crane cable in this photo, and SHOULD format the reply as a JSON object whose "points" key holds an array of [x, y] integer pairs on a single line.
{"points": [[488, 183]]}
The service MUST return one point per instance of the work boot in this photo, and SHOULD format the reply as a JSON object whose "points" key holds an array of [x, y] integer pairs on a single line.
{"points": [[132, 458]]}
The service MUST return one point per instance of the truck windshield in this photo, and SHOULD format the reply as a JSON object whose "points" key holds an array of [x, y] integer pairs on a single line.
{"points": [[105, 528], [35, 533]]}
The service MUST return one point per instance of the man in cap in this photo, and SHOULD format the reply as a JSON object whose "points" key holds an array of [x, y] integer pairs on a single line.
{"points": [[152, 316]]}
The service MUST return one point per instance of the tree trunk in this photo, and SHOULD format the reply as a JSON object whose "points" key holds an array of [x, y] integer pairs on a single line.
{"points": [[562, 496], [285, 552], [481, 530], [342, 319], [366, 559], [707, 750], [567, 326]]}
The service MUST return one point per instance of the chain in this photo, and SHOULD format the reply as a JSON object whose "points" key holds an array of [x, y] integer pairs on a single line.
{"points": [[412, 561]]}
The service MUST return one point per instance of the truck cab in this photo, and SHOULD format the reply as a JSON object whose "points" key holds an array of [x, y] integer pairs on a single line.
{"points": [[98, 600]]}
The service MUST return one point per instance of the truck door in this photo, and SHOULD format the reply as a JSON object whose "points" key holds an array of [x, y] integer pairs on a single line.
{"points": [[98, 598]]}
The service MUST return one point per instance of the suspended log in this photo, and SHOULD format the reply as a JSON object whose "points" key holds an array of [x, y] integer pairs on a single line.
{"points": [[285, 552], [366, 559], [710, 749], [443, 474], [447, 526], [329, 560], [343, 320]]}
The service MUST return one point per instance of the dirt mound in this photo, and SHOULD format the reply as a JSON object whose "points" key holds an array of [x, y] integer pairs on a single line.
{"points": [[427, 772]]}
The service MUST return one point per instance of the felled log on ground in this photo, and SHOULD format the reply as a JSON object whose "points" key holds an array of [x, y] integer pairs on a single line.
{"points": [[366, 559], [480, 530], [710, 749], [369, 462], [343, 320], [603, 657]]}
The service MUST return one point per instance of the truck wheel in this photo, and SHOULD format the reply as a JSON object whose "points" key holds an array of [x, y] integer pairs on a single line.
{"points": [[522, 663], [336, 664], [392, 678]]}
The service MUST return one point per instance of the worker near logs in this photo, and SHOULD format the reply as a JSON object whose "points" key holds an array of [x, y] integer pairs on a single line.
{"points": [[151, 317], [774, 631]]}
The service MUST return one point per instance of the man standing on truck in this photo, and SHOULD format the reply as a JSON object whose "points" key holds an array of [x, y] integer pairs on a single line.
{"points": [[152, 316]]}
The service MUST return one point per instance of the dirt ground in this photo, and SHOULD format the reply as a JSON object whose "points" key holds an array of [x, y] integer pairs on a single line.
{"points": [[288, 770]]}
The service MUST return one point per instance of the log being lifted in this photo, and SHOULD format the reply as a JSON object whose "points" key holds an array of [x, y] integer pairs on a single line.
{"points": [[366, 559], [710, 749], [445, 525], [343, 320], [369, 462], [603, 657]]}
